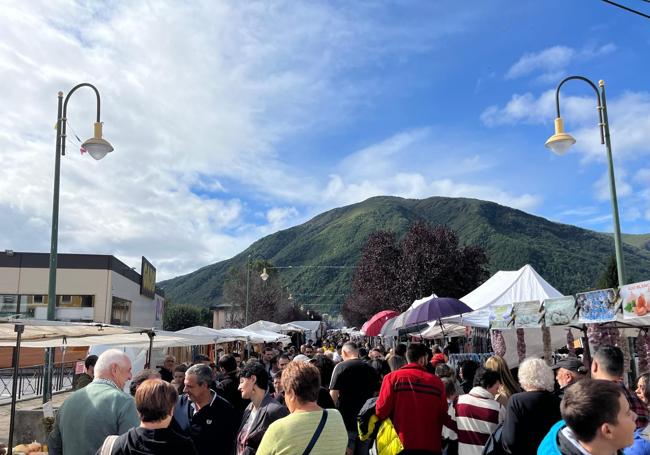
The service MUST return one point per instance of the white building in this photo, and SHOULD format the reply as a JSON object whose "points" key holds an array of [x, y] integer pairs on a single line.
{"points": [[89, 287]]}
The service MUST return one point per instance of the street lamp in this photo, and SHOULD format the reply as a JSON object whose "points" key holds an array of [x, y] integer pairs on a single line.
{"points": [[561, 141], [98, 148], [248, 286]]}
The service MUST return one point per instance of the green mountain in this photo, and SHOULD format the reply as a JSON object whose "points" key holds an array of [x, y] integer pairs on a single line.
{"points": [[568, 257]]}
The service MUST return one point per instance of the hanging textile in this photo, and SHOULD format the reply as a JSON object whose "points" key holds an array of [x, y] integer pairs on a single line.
{"points": [[595, 336], [546, 339], [521, 345], [570, 343], [642, 351], [625, 347], [498, 343]]}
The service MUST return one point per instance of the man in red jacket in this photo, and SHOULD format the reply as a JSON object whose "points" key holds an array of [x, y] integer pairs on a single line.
{"points": [[415, 401]]}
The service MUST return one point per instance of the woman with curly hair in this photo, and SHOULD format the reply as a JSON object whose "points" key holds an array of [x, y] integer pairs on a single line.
{"points": [[530, 414], [508, 384]]}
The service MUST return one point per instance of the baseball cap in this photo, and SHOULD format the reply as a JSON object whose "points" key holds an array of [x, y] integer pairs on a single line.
{"points": [[571, 364]]}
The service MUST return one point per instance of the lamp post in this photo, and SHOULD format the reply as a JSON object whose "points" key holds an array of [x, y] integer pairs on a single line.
{"points": [[98, 148], [561, 141], [248, 285]]}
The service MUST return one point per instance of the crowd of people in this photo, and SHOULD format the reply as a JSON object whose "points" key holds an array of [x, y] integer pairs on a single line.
{"points": [[355, 400]]}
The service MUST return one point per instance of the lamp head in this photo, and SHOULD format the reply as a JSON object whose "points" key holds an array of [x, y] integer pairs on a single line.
{"points": [[560, 142], [264, 276], [97, 147]]}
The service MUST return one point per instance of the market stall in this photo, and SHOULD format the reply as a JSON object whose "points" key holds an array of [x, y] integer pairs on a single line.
{"points": [[46, 334]]}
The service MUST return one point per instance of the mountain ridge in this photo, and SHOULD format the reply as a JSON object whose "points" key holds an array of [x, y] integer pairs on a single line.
{"points": [[569, 257]]}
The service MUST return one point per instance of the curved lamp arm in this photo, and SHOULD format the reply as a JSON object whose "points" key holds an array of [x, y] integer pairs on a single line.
{"points": [[601, 123], [63, 119]]}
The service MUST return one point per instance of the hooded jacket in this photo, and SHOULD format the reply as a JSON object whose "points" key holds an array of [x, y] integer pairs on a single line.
{"points": [[556, 443], [141, 441]]}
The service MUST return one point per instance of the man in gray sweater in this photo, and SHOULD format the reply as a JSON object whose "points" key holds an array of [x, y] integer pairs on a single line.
{"points": [[100, 409]]}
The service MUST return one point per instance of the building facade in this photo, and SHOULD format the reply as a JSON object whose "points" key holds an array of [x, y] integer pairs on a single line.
{"points": [[89, 287]]}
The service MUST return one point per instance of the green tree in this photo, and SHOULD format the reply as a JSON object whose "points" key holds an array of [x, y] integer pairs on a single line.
{"points": [[609, 277], [268, 299], [178, 317]]}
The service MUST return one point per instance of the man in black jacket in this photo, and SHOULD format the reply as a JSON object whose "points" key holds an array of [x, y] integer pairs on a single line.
{"points": [[209, 420], [228, 383]]}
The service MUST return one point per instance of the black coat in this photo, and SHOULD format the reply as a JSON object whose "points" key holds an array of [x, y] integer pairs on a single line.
{"points": [[529, 416], [213, 428], [270, 411], [140, 441]]}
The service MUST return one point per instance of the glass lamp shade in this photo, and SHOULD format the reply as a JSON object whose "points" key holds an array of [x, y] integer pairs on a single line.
{"points": [[264, 276], [97, 148], [560, 142]]}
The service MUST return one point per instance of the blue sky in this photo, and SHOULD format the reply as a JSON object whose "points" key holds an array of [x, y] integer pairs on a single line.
{"points": [[232, 120]]}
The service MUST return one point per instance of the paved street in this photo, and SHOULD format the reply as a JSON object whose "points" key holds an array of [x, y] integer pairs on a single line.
{"points": [[5, 409]]}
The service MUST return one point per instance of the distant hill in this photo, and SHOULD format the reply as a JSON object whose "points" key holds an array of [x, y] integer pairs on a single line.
{"points": [[569, 257]]}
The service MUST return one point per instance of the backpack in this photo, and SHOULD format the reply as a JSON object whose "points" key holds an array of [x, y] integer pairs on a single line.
{"points": [[494, 446]]}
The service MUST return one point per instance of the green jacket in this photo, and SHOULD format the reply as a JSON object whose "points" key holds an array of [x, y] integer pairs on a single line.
{"points": [[90, 414]]}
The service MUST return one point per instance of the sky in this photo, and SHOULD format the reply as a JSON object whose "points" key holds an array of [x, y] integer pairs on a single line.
{"points": [[232, 120]]}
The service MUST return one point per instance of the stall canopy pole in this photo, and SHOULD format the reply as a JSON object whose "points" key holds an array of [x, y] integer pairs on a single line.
{"points": [[151, 334], [587, 352], [18, 328]]}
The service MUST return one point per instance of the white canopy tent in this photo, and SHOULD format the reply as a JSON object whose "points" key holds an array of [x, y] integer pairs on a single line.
{"points": [[229, 335], [504, 288], [50, 334], [313, 329], [274, 327]]}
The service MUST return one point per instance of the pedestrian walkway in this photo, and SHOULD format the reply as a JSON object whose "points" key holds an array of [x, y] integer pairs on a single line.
{"points": [[5, 410]]}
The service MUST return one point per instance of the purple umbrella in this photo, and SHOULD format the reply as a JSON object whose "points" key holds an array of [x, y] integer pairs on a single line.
{"points": [[436, 309]]}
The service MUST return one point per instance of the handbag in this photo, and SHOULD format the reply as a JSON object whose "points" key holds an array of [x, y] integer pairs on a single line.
{"points": [[319, 430], [107, 446]]}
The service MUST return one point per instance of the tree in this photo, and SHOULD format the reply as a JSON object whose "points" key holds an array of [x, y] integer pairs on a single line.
{"points": [[178, 317], [267, 299], [609, 277], [427, 260], [375, 283]]}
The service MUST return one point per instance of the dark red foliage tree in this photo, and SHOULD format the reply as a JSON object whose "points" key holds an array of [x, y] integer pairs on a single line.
{"points": [[427, 260], [373, 287]]}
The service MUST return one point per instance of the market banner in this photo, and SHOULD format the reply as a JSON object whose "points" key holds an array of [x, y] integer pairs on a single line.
{"points": [[635, 298], [500, 316], [597, 306], [527, 314], [559, 310]]}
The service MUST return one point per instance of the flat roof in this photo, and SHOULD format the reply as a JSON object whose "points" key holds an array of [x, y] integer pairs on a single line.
{"points": [[25, 260]]}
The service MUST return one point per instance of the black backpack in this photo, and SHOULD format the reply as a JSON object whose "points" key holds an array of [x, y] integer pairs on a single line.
{"points": [[494, 446]]}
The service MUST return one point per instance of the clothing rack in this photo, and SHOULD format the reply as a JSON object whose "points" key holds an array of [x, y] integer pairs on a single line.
{"points": [[480, 358]]}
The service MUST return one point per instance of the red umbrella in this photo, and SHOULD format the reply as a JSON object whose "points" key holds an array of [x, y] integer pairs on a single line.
{"points": [[373, 326]]}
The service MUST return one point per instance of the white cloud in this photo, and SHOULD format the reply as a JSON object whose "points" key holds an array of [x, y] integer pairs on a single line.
{"points": [[549, 60], [281, 218], [629, 118], [623, 188], [552, 62], [196, 98], [417, 186]]}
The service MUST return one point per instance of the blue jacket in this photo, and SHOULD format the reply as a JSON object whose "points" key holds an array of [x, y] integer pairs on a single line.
{"points": [[548, 446], [641, 445]]}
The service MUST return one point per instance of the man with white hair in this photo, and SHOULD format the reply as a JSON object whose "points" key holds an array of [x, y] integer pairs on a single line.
{"points": [[98, 410]]}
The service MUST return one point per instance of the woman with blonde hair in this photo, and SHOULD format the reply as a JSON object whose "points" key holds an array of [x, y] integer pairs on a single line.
{"points": [[508, 384]]}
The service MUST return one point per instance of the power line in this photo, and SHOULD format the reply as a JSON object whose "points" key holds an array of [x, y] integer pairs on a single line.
{"points": [[628, 9]]}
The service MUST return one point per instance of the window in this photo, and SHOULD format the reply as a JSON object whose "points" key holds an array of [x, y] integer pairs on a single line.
{"points": [[8, 304], [26, 305], [121, 311]]}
